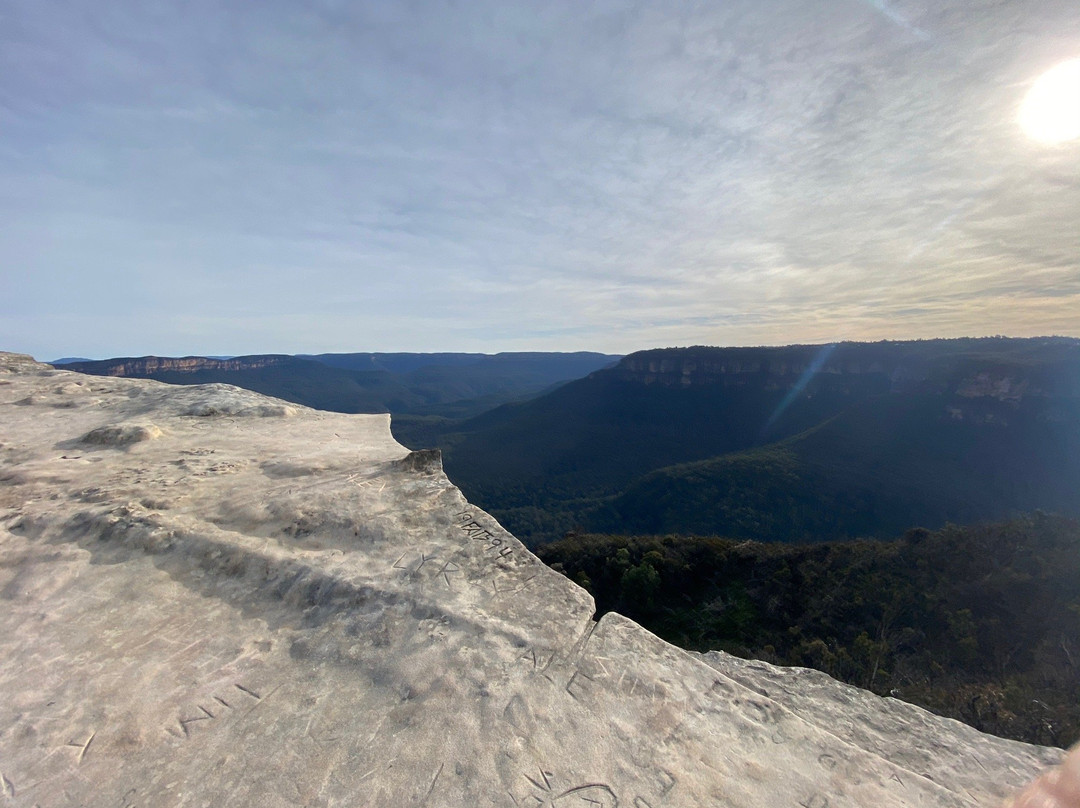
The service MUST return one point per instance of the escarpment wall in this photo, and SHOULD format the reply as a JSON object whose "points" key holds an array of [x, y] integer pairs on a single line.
{"points": [[211, 597], [1002, 369]]}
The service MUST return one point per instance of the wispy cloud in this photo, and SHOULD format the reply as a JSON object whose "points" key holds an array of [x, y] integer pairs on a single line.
{"points": [[333, 176], [894, 15]]}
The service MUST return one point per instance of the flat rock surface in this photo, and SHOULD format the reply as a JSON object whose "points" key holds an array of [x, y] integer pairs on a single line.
{"points": [[213, 598]]}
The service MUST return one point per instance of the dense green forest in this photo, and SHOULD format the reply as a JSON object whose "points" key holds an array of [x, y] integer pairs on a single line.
{"points": [[978, 623]]}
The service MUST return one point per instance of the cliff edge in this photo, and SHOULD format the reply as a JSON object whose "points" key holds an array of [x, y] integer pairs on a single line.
{"points": [[211, 597]]}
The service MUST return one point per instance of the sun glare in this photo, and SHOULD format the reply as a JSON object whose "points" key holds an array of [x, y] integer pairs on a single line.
{"points": [[1051, 110]]}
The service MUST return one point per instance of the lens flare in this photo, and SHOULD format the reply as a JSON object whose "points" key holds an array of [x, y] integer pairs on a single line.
{"points": [[812, 369], [1050, 112]]}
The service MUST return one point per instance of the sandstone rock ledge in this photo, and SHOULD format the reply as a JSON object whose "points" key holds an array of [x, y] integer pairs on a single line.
{"points": [[213, 598]]}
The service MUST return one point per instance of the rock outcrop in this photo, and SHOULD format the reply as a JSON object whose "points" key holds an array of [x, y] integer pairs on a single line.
{"points": [[211, 597]]}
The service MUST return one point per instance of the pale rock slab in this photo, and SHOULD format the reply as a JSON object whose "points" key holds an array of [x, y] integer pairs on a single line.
{"points": [[213, 598]]}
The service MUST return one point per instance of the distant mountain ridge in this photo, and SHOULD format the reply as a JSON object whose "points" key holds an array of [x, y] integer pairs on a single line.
{"points": [[397, 362], [67, 360], [981, 366], [862, 439], [146, 366], [421, 384]]}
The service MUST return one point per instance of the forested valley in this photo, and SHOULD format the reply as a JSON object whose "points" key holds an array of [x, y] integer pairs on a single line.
{"points": [[980, 623]]}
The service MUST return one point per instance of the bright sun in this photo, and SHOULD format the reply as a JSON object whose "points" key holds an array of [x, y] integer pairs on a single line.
{"points": [[1051, 110]]}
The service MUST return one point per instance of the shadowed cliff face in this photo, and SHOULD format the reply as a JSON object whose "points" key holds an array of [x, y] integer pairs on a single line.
{"points": [[212, 597], [1004, 369], [887, 435]]}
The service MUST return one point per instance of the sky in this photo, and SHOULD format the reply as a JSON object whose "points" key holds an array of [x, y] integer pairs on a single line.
{"points": [[194, 177]]}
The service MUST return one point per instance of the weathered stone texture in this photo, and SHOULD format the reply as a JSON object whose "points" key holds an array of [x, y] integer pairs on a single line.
{"points": [[213, 598]]}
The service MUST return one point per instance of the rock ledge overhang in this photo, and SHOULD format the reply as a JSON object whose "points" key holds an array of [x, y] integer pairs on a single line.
{"points": [[211, 597]]}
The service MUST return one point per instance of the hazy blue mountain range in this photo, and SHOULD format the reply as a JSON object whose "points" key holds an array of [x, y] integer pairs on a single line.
{"points": [[798, 443], [446, 384]]}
